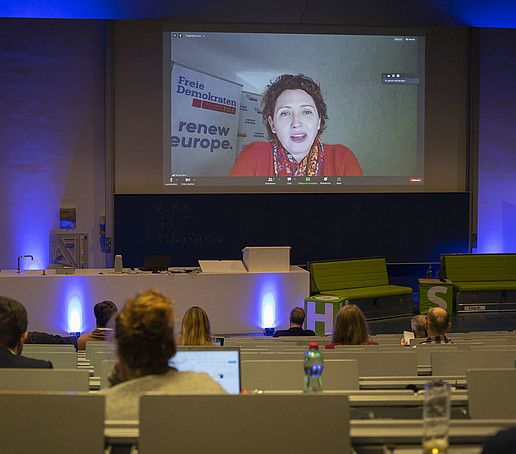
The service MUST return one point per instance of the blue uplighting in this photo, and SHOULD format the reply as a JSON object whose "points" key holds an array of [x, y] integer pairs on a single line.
{"points": [[499, 14], [59, 9], [268, 310], [74, 314]]}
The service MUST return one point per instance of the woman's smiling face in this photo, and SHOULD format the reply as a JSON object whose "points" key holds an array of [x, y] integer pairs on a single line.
{"points": [[296, 122]]}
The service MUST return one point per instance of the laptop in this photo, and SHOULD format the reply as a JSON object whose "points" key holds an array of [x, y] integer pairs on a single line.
{"points": [[222, 266], [156, 263], [220, 363]]}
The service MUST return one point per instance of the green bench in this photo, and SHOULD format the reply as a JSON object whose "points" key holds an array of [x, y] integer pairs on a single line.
{"points": [[363, 282], [481, 282]]}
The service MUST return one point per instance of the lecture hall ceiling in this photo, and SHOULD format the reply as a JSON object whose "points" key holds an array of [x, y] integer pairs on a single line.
{"points": [[475, 13]]}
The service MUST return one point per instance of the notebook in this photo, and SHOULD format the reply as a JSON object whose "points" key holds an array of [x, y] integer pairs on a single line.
{"points": [[220, 363], [156, 263]]}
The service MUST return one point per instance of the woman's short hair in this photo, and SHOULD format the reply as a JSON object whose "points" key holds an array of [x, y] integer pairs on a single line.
{"points": [[144, 331], [292, 82], [351, 327], [297, 316], [195, 327]]}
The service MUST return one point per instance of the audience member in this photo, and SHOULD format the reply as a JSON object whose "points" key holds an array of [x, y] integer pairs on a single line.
{"points": [[350, 328], [13, 332], [195, 328], [418, 328], [437, 323], [104, 311], [38, 337], [297, 318], [144, 332], [502, 442]]}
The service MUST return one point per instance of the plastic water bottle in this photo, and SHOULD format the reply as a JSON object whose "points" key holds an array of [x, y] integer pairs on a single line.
{"points": [[436, 417], [429, 272], [313, 365]]}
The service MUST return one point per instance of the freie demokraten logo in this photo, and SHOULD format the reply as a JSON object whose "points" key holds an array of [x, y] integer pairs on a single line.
{"points": [[204, 99]]}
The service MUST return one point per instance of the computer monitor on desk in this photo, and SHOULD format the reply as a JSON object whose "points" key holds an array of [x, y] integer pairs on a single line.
{"points": [[220, 363], [156, 263]]}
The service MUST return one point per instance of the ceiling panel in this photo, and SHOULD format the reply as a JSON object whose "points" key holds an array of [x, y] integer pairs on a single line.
{"points": [[477, 13], [499, 14]]}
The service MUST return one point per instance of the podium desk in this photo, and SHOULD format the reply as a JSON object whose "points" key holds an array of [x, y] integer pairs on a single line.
{"points": [[235, 302]]}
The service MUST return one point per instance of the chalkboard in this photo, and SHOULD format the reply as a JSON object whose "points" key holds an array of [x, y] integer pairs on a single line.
{"points": [[402, 227]]}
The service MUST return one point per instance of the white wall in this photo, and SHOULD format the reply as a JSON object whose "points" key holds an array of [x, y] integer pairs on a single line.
{"points": [[52, 134]]}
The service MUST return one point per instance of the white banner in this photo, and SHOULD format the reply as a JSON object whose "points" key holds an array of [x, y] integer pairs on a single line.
{"points": [[204, 123], [251, 127]]}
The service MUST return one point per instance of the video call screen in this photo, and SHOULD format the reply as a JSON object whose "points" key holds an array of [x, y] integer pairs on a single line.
{"points": [[216, 84]]}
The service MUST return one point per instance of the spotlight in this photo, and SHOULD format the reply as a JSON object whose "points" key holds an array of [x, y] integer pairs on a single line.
{"points": [[268, 331]]}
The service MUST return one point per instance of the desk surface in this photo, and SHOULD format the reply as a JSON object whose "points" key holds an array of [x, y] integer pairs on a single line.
{"points": [[132, 272], [234, 302], [363, 432]]}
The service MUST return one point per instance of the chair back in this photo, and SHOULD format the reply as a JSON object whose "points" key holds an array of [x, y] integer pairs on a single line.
{"points": [[99, 357], [106, 368], [44, 380], [47, 348], [250, 424], [59, 359], [283, 375], [51, 423], [381, 363], [97, 346], [458, 362], [491, 393]]}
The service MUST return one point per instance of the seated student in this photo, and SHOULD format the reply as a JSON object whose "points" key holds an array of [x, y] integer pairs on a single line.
{"points": [[437, 323], [144, 332], [103, 313], [195, 328], [418, 328], [502, 442], [38, 337], [13, 332], [297, 318], [350, 328]]}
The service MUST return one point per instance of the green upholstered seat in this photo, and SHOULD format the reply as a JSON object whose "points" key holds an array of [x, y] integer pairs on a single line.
{"points": [[479, 267], [483, 286], [346, 274], [481, 281], [370, 292], [361, 281]]}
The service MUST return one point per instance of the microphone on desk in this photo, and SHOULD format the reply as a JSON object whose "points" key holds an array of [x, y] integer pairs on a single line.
{"points": [[118, 264]]}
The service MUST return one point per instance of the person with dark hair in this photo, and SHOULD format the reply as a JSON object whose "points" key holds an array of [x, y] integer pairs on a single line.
{"points": [[437, 323], [350, 328], [13, 332], [297, 318], [103, 311], [195, 328], [295, 115], [144, 333]]}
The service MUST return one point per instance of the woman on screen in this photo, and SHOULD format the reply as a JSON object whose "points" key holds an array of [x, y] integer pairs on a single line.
{"points": [[295, 115]]}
